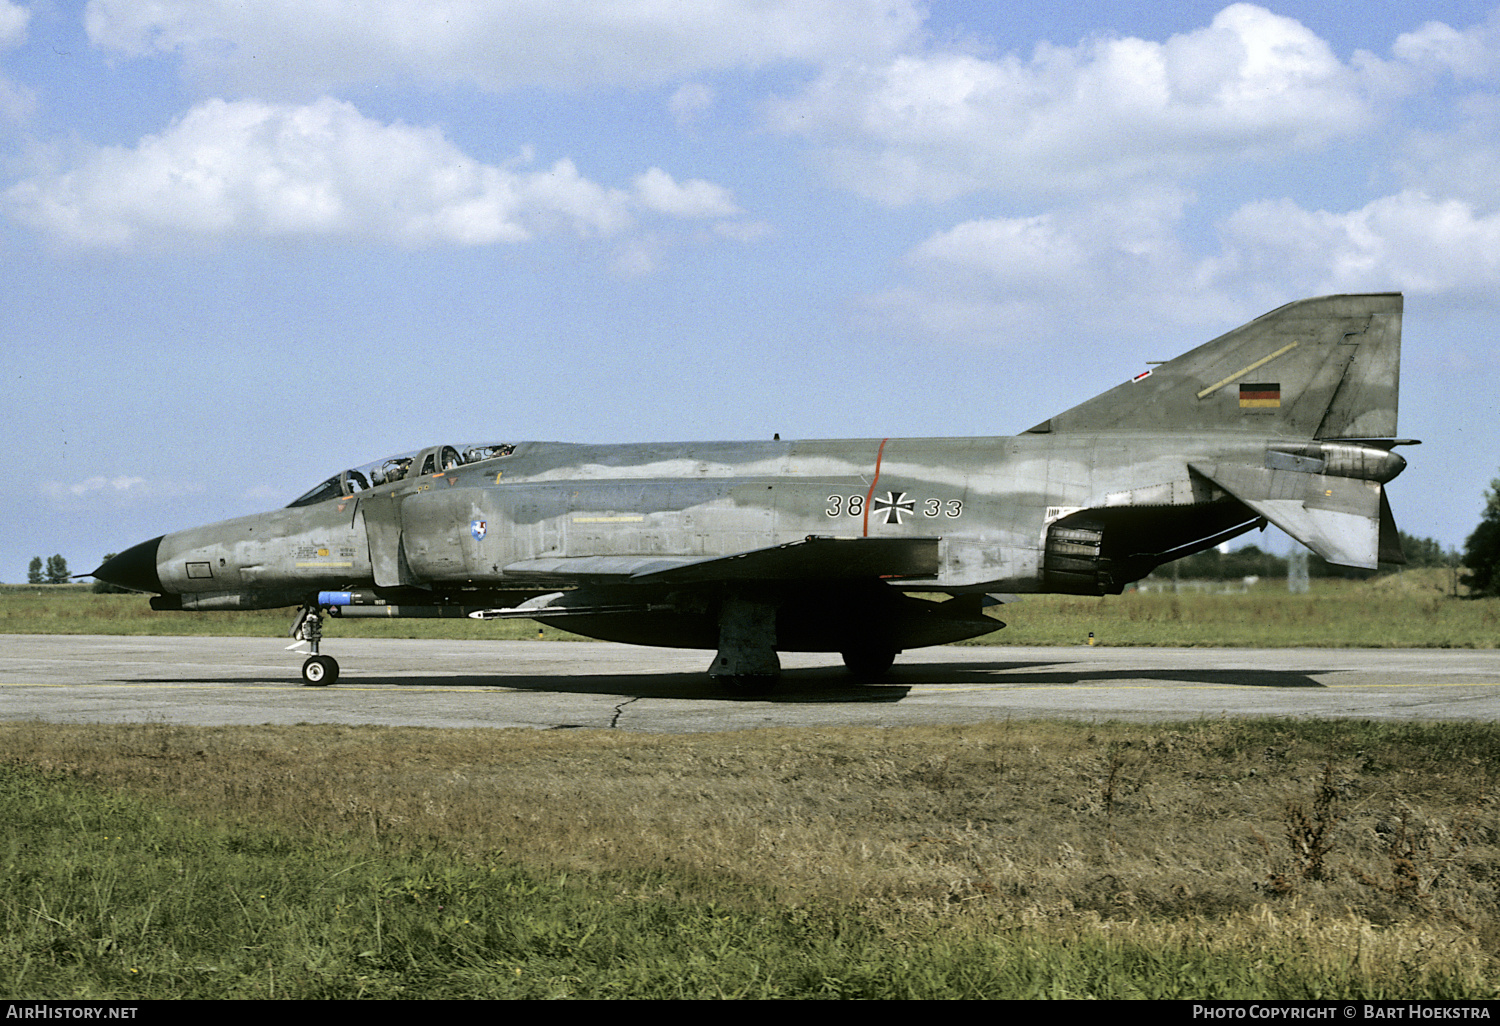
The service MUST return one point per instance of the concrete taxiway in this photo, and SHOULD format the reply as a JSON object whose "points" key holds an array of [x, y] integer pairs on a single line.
{"points": [[552, 684]]}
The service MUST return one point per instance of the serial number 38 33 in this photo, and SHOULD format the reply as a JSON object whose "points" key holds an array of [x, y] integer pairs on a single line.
{"points": [[893, 506]]}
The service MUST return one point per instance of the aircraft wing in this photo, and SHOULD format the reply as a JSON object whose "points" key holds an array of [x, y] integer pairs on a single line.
{"points": [[599, 579], [812, 558]]}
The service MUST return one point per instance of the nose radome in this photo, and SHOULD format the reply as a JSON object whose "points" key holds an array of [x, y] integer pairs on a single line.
{"points": [[135, 568]]}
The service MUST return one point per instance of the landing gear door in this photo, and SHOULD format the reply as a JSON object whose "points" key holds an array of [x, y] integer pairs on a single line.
{"points": [[383, 526]]}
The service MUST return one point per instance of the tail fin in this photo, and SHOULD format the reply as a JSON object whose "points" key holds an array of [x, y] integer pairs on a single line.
{"points": [[1316, 368]]}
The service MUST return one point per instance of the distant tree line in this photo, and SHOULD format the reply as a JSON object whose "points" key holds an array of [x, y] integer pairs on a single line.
{"points": [[1482, 550], [55, 571], [1252, 561]]}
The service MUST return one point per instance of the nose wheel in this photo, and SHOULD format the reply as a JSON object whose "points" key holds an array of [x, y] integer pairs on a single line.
{"points": [[318, 671]]}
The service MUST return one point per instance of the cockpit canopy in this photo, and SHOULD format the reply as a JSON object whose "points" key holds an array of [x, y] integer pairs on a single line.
{"points": [[436, 459]]}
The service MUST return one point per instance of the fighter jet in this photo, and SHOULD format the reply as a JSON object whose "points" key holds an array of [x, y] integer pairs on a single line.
{"points": [[864, 547]]}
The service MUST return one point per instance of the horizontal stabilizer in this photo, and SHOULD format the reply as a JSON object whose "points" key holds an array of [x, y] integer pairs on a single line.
{"points": [[812, 558], [1345, 520]]}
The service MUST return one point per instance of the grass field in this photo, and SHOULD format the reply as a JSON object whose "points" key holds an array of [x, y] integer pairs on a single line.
{"points": [[1205, 860], [1411, 610]]}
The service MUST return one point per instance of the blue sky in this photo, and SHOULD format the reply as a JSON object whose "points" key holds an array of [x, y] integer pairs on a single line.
{"points": [[246, 243]]}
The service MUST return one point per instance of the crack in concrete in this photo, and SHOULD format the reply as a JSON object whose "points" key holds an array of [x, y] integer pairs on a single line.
{"points": [[620, 710]]}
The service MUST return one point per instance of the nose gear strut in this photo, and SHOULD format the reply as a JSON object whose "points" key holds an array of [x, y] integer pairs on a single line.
{"points": [[319, 670]]}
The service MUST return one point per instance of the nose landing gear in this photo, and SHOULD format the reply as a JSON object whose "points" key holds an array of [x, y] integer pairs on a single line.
{"points": [[319, 670]]}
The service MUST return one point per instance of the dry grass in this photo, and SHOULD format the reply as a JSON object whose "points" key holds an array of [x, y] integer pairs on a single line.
{"points": [[1364, 851]]}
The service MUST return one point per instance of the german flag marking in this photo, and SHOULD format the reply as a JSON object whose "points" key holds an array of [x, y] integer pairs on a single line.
{"points": [[1260, 395]]}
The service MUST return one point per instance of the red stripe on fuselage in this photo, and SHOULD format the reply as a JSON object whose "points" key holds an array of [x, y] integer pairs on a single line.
{"points": [[879, 455]]}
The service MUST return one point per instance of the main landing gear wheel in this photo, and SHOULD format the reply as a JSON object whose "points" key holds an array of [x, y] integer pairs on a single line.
{"points": [[320, 671]]}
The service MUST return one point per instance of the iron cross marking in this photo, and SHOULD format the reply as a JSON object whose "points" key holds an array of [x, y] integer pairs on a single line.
{"points": [[893, 505]]}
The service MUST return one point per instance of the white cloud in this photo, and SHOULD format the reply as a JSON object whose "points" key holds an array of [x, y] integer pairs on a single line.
{"points": [[13, 20], [1436, 47], [635, 259], [1003, 281], [1462, 160], [1011, 252], [120, 483], [1106, 111], [16, 101], [1410, 242], [690, 103], [657, 191], [1115, 254], [1456, 153], [497, 44], [997, 281], [324, 170], [744, 231], [114, 492]]}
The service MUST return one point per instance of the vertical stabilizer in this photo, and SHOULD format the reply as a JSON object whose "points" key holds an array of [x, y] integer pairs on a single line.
{"points": [[1316, 368]]}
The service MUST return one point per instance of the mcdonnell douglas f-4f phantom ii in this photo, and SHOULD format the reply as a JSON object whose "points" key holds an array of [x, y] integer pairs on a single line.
{"points": [[864, 547]]}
